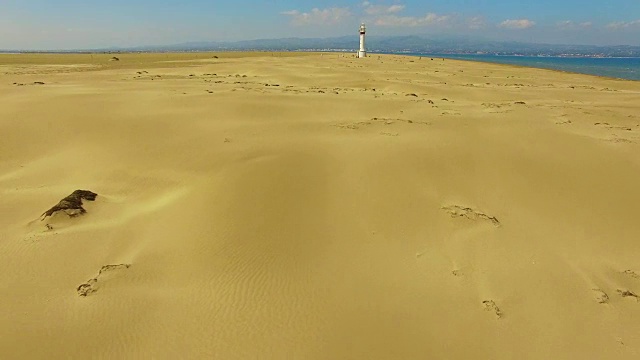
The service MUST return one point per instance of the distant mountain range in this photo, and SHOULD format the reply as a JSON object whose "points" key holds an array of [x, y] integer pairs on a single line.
{"points": [[400, 44]]}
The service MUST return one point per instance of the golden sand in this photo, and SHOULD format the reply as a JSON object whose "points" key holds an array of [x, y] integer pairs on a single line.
{"points": [[317, 206]]}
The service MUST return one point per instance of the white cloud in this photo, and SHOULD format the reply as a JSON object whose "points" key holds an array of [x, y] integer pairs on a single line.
{"points": [[571, 25], [517, 24], [328, 16], [476, 22], [620, 25], [389, 16], [430, 19], [371, 9]]}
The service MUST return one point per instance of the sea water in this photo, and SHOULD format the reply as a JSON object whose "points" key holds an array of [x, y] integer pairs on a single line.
{"points": [[620, 68]]}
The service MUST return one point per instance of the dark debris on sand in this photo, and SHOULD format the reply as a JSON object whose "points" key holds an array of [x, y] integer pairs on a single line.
{"points": [[72, 204]]}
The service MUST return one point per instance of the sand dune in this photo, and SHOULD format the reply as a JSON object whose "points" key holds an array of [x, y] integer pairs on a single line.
{"points": [[308, 206]]}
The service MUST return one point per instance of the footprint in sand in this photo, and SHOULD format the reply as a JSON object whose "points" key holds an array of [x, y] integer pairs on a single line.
{"points": [[618, 140], [490, 305], [354, 126], [379, 121], [390, 121], [91, 285], [469, 213], [628, 293], [611, 127], [497, 108], [563, 121], [601, 296]]}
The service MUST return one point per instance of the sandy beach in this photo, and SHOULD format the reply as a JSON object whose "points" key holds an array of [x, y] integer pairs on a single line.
{"points": [[316, 206]]}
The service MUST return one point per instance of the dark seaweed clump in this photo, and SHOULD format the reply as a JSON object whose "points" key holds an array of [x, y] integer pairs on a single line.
{"points": [[72, 204]]}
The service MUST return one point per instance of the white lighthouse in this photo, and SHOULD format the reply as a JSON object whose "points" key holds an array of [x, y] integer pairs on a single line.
{"points": [[362, 52]]}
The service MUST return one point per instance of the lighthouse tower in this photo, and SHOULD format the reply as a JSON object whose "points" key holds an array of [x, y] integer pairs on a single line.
{"points": [[362, 53]]}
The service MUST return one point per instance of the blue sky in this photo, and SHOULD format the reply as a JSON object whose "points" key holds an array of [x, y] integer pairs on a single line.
{"points": [[72, 24]]}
